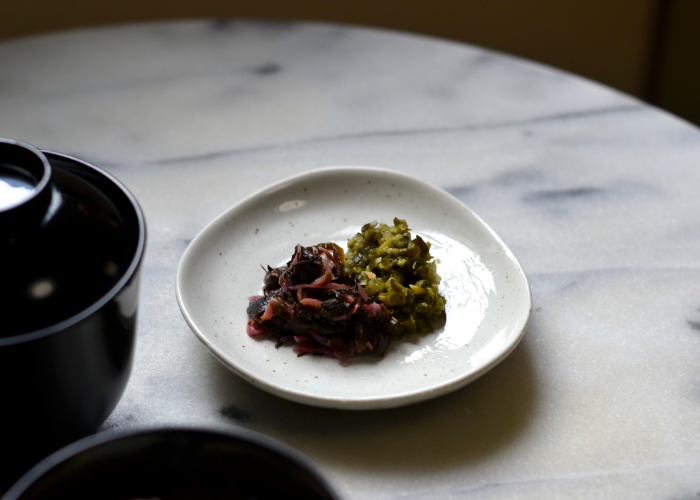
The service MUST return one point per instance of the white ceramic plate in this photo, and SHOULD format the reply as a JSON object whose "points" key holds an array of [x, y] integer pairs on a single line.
{"points": [[488, 295]]}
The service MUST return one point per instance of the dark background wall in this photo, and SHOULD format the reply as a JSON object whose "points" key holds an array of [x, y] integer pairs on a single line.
{"points": [[647, 48]]}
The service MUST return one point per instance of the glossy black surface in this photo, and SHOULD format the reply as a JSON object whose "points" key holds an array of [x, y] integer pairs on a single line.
{"points": [[77, 254], [69, 301], [174, 464]]}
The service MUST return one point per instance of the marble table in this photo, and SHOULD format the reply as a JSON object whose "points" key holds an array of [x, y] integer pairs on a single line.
{"points": [[595, 192]]}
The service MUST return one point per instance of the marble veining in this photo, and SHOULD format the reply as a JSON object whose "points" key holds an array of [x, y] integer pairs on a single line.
{"points": [[394, 133], [236, 414], [595, 192]]}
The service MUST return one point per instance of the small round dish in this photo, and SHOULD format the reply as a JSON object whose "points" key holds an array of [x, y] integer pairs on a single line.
{"points": [[488, 295]]}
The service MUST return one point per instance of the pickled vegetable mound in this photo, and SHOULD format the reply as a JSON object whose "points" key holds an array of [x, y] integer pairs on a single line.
{"points": [[313, 303], [339, 305], [399, 272]]}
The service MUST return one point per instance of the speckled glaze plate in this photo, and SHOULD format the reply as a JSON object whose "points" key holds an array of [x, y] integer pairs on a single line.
{"points": [[488, 296]]}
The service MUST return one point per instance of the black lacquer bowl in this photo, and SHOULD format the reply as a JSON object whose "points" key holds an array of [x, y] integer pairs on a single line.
{"points": [[72, 239], [174, 464]]}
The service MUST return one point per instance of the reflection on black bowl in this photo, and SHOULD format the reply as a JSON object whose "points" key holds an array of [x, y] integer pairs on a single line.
{"points": [[71, 246], [174, 464]]}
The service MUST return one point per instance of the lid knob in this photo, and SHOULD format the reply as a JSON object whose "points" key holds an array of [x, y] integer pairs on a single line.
{"points": [[25, 189]]}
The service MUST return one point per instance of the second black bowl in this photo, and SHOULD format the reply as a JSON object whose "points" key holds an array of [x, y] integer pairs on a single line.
{"points": [[174, 464]]}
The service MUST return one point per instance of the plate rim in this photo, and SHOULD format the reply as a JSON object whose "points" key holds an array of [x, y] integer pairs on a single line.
{"points": [[359, 402]]}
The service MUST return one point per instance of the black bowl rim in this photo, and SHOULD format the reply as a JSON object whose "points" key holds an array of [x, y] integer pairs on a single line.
{"points": [[95, 440], [112, 292], [41, 183]]}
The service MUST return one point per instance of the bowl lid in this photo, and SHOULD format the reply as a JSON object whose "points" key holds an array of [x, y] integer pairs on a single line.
{"points": [[66, 253]]}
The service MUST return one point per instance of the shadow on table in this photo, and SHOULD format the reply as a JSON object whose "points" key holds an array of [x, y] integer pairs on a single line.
{"points": [[466, 425]]}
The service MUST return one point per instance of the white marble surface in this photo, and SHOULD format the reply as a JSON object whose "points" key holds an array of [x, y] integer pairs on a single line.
{"points": [[595, 193]]}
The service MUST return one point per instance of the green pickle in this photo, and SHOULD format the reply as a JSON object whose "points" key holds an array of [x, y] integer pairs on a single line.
{"points": [[399, 272]]}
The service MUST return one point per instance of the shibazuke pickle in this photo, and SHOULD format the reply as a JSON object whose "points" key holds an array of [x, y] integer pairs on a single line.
{"points": [[340, 305]]}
